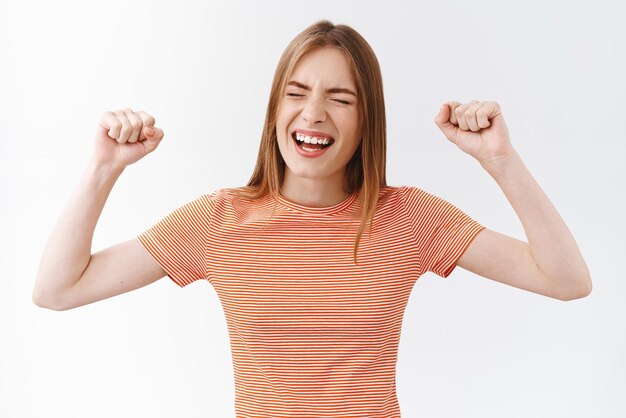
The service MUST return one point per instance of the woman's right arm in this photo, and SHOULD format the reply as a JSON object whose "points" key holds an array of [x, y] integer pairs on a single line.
{"points": [[69, 275]]}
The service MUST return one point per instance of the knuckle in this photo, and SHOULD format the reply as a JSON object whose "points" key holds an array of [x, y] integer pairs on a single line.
{"points": [[120, 115], [145, 117]]}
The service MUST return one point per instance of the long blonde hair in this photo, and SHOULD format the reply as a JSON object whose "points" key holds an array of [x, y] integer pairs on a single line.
{"points": [[365, 172]]}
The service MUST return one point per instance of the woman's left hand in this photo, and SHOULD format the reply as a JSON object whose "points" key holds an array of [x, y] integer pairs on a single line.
{"points": [[478, 128]]}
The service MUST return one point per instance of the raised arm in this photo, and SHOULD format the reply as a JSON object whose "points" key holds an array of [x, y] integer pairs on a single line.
{"points": [[550, 263], [69, 275]]}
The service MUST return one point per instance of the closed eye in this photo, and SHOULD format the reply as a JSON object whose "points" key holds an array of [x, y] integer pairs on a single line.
{"points": [[300, 95]]}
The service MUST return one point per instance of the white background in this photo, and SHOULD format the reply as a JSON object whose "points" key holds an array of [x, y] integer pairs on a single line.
{"points": [[470, 346]]}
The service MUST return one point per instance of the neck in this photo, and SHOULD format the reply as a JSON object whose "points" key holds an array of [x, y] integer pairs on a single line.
{"points": [[316, 192]]}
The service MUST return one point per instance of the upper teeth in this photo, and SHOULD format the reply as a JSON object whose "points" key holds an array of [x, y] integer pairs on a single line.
{"points": [[311, 139]]}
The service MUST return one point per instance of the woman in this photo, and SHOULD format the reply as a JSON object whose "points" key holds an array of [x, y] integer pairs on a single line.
{"points": [[314, 260]]}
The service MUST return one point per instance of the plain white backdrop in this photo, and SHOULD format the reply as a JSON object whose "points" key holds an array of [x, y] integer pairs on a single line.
{"points": [[470, 347]]}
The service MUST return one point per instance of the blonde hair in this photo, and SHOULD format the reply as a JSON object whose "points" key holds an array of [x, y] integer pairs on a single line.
{"points": [[365, 172]]}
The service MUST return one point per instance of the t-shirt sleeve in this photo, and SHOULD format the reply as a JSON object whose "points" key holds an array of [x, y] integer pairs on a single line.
{"points": [[441, 230], [178, 241]]}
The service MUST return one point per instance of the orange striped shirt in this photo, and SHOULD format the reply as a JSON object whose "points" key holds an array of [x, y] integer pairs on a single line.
{"points": [[311, 333]]}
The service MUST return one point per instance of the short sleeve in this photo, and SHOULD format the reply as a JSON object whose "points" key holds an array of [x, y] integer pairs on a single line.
{"points": [[441, 230], [178, 241]]}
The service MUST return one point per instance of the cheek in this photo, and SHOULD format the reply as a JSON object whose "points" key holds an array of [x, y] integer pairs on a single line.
{"points": [[284, 117], [350, 126]]}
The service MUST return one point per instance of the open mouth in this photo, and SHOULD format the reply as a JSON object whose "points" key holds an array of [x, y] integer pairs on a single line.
{"points": [[301, 142]]}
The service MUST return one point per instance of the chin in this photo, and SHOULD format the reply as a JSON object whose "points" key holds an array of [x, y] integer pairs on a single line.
{"points": [[309, 174]]}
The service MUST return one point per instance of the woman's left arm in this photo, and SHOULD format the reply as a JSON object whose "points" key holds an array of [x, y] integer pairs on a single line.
{"points": [[550, 263]]}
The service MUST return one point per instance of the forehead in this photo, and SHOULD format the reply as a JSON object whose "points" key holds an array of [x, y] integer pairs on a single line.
{"points": [[324, 65]]}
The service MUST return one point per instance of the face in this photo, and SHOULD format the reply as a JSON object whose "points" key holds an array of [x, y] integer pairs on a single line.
{"points": [[320, 100]]}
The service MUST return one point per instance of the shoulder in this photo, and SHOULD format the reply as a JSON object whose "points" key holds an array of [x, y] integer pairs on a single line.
{"points": [[236, 196], [415, 200], [237, 202], [413, 194], [210, 202], [224, 195], [403, 194], [394, 199]]}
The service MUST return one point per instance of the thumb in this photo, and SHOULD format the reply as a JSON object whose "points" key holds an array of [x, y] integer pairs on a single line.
{"points": [[152, 132], [443, 122], [153, 138]]}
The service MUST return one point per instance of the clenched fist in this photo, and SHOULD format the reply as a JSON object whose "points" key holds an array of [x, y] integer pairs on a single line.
{"points": [[124, 137], [478, 128]]}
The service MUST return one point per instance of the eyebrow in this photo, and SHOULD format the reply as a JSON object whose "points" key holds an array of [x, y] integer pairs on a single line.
{"points": [[331, 90]]}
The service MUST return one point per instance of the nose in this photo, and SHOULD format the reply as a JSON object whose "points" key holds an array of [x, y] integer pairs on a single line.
{"points": [[314, 111]]}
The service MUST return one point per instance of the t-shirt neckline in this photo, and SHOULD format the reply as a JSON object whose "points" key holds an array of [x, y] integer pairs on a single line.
{"points": [[327, 210]]}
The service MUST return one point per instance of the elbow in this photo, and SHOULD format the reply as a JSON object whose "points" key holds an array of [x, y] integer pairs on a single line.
{"points": [[587, 288], [41, 300], [578, 292]]}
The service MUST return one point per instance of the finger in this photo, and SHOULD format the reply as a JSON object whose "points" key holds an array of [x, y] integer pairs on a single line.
{"points": [[453, 106], [156, 135], [148, 122], [481, 116], [459, 112], [136, 123], [492, 109], [443, 122], [152, 133], [126, 130], [470, 115], [110, 124], [146, 118], [154, 140]]}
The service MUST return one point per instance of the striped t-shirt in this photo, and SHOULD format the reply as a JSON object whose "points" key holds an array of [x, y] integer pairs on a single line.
{"points": [[311, 333]]}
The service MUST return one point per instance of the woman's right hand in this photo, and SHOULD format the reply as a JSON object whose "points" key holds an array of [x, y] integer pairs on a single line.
{"points": [[124, 137]]}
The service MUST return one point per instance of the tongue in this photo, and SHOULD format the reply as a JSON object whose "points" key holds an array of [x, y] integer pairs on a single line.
{"points": [[313, 146]]}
